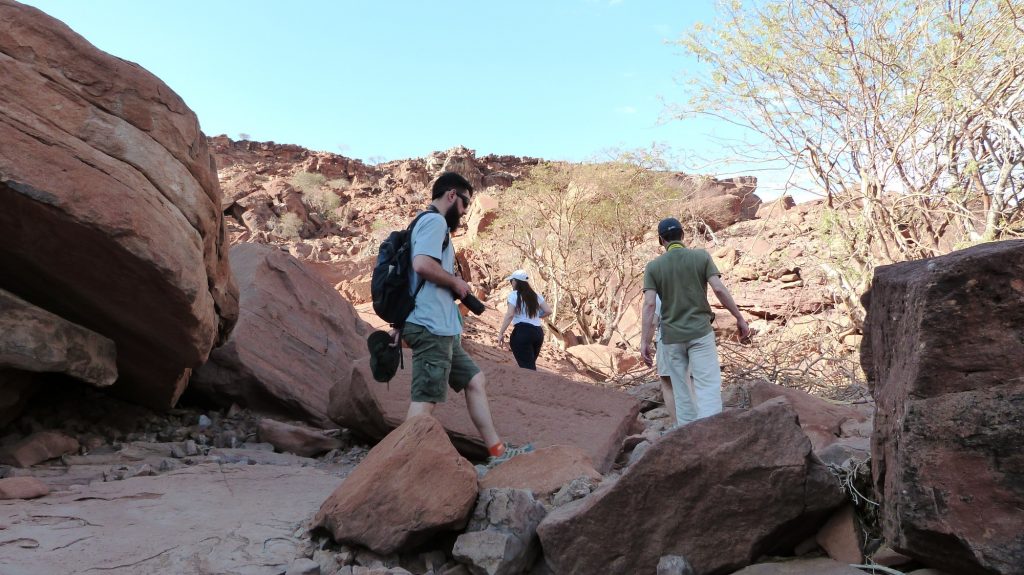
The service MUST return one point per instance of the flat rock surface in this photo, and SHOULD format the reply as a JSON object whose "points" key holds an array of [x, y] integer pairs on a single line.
{"points": [[244, 519], [527, 406]]}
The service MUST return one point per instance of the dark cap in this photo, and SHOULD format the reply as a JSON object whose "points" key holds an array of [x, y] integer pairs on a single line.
{"points": [[384, 357], [667, 225]]}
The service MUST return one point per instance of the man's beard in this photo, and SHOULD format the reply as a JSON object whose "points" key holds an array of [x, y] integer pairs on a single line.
{"points": [[453, 217]]}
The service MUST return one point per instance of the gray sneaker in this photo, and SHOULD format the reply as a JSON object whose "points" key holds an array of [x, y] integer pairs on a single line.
{"points": [[510, 452]]}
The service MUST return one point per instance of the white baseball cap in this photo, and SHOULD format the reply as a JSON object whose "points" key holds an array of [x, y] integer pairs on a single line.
{"points": [[519, 275]]}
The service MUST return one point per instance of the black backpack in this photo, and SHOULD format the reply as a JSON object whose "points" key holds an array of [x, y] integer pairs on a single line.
{"points": [[389, 285]]}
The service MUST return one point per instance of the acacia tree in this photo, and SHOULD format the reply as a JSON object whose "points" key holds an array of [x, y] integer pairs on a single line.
{"points": [[586, 231], [906, 113]]}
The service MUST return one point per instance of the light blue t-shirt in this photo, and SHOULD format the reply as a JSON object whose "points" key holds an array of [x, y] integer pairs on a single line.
{"points": [[520, 316], [435, 306]]}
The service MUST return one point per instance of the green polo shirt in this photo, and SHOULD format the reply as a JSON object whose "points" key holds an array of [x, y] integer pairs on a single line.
{"points": [[680, 278]]}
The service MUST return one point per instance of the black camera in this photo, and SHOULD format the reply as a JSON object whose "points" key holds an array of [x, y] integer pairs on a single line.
{"points": [[475, 305]]}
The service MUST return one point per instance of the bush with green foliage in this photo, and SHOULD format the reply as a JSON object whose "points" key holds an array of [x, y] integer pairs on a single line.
{"points": [[289, 225], [585, 231]]}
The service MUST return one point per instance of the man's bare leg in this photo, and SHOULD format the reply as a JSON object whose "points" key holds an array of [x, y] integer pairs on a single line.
{"points": [[419, 408], [480, 409], [669, 398]]}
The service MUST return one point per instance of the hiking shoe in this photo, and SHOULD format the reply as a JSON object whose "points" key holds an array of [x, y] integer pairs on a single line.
{"points": [[510, 452]]}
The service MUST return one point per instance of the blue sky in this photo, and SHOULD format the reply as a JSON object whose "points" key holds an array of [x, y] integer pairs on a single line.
{"points": [[384, 80]]}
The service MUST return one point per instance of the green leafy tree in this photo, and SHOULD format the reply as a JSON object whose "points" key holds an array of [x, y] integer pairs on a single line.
{"points": [[586, 231], [907, 114]]}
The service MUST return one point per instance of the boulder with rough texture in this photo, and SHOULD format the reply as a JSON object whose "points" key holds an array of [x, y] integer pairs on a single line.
{"points": [[22, 488], [501, 538], [39, 447], [943, 343], [718, 212], [111, 214], [412, 485], [823, 421], [527, 407], [721, 492], [542, 472], [33, 339], [482, 214], [295, 338], [296, 439]]}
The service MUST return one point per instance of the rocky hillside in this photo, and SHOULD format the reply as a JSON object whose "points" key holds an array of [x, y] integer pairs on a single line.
{"points": [[331, 212]]}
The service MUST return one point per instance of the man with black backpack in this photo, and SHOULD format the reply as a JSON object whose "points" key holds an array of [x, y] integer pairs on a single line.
{"points": [[434, 327]]}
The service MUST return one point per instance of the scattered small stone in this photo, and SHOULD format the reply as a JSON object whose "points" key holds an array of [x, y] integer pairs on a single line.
{"points": [[303, 567], [177, 451], [191, 448], [170, 465], [674, 565], [204, 422], [639, 451], [576, 489]]}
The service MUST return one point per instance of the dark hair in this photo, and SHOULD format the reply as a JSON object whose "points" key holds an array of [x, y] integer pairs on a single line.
{"points": [[672, 235], [449, 181], [527, 300]]}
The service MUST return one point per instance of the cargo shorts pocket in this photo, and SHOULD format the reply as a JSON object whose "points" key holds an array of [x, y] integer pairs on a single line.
{"points": [[431, 384]]}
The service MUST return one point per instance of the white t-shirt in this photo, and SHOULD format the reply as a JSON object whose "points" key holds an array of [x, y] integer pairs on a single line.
{"points": [[520, 316]]}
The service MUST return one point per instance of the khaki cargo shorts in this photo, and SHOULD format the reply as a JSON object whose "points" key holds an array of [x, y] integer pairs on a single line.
{"points": [[438, 362]]}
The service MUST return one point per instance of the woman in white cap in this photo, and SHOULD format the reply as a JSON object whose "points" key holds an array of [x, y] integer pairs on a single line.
{"points": [[525, 308]]}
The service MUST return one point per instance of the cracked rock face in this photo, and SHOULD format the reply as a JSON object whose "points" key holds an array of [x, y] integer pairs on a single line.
{"points": [[136, 526], [943, 343]]}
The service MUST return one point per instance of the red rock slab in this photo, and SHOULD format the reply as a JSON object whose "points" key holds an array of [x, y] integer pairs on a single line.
{"points": [[412, 485], [543, 471], [527, 407], [838, 537], [822, 416]]}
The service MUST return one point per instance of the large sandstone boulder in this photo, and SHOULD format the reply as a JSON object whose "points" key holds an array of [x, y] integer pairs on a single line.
{"points": [[411, 485], [942, 350], [295, 338], [720, 492], [111, 205], [527, 406]]}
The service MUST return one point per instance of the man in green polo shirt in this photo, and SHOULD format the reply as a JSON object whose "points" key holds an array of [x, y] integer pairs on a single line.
{"points": [[680, 277]]}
